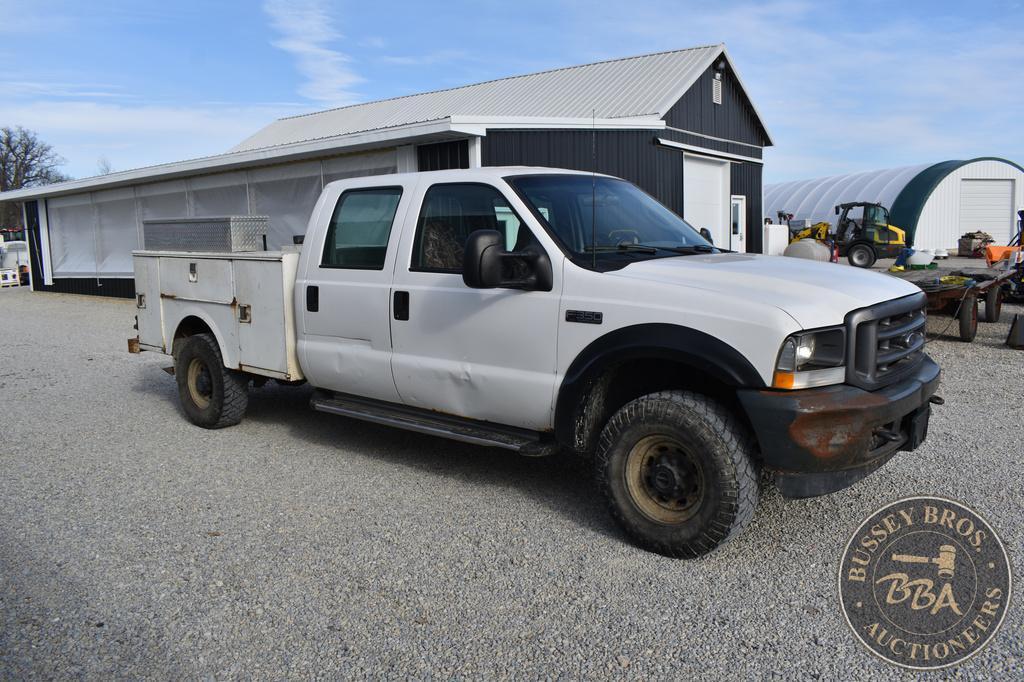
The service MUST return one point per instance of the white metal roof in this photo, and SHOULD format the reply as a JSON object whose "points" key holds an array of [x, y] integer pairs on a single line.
{"points": [[633, 92], [644, 86], [816, 199]]}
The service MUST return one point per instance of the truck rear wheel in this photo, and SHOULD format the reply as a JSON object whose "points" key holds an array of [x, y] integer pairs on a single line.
{"points": [[211, 395], [678, 473]]}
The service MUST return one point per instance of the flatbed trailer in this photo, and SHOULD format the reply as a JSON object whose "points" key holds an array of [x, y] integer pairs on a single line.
{"points": [[959, 298]]}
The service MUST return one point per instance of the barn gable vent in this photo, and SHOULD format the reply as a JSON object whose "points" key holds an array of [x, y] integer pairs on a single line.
{"points": [[716, 92]]}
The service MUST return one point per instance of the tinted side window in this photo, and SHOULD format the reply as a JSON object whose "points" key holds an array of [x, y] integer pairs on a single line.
{"points": [[448, 216], [360, 227]]}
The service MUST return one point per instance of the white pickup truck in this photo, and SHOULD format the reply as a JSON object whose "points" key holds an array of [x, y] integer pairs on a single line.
{"points": [[535, 310]]}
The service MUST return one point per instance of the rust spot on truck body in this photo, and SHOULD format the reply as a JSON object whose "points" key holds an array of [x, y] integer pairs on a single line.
{"points": [[827, 428]]}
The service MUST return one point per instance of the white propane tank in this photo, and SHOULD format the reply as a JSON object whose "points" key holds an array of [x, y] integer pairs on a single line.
{"points": [[809, 249], [920, 258]]}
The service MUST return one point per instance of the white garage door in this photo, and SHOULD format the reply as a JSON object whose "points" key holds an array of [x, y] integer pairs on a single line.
{"points": [[706, 196], [987, 206]]}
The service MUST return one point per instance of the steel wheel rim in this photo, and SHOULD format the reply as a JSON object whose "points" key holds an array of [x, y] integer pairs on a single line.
{"points": [[664, 479], [199, 382], [860, 257]]}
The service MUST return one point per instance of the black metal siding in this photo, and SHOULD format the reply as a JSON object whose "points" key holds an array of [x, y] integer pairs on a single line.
{"points": [[733, 119], [745, 179], [91, 286], [443, 155], [628, 154]]}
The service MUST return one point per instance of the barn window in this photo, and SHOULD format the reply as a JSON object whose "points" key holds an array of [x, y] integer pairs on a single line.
{"points": [[716, 92]]}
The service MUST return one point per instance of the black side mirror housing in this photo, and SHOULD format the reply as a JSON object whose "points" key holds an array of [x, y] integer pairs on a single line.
{"points": [[487, 265], [706, 233]]}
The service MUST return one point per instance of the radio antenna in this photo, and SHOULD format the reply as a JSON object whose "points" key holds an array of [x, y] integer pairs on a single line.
{"points": [[593, 187]]}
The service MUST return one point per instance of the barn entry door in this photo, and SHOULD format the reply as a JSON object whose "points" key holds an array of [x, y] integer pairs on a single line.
{"points": [[706, 196]]}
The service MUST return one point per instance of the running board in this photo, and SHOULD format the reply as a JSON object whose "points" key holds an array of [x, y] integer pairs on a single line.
{"points": [[523, 441]]}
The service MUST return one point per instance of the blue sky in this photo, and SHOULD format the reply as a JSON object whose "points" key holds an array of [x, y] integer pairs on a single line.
{"points": [[842, 86]]}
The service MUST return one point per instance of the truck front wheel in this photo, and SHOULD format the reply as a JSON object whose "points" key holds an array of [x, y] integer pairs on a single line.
{"points": [[211, 395], [677, 471]]}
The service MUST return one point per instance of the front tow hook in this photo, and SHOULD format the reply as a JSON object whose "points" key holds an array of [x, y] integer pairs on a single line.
{"points": [[937, 400]]}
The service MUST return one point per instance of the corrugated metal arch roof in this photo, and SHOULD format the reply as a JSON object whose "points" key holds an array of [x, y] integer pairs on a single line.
{"points": [[903, 190], [646, 85], [815, 199]]}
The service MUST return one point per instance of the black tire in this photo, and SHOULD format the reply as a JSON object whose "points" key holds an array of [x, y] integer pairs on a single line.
{"points": [[211, 395], [968, 317], [861, 256], [993, 303], [677, 471]]}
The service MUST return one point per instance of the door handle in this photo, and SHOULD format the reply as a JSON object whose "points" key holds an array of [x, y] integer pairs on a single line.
{"points": [[401, 305], [312, 298]]}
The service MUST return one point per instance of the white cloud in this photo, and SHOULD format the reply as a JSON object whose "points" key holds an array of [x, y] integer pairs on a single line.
{"points": [[307, 32], [132, 136], [427, 59], [842, 96]]}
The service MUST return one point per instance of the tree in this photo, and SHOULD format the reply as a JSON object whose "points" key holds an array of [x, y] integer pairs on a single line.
{"points": [[103, 166], [25, 161]]}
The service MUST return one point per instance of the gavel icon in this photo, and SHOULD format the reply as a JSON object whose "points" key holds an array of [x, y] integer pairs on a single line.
{"points": [[946, 560]]}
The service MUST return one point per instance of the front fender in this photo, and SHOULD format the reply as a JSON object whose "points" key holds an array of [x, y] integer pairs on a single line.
{"points": [[668, 342]]}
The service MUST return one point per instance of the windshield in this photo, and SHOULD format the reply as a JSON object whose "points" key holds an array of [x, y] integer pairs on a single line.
{"points": [[876, 215], [629, 222]]}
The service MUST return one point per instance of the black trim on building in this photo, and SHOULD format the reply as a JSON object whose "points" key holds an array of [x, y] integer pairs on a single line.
{"points": [[443, 155]]}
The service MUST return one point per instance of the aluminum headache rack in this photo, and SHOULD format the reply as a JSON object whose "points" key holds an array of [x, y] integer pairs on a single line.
{"points": [[224, 234]]}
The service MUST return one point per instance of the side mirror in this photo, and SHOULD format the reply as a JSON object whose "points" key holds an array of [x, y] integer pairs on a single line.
{"points": [[837, 210], [706, 233], [487, 265]]}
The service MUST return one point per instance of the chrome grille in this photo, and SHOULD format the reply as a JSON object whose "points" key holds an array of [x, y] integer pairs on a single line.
{"points": [[885, 342]]}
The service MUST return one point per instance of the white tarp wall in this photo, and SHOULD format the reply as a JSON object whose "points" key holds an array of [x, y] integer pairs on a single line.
{"points": [[93, 234]]}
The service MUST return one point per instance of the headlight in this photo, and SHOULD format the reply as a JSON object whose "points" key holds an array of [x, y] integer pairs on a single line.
{"points": [[814, 358]]}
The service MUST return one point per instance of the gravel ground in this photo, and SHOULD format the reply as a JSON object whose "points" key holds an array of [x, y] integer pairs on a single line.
{"points": [[297, 544]]}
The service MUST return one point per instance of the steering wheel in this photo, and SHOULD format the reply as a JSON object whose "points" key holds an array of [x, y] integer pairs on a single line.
{"points": [[635, 239]]}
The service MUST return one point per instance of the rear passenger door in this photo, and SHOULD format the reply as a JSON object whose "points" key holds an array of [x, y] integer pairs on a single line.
{"points": [[345, 292], [486, 354]]}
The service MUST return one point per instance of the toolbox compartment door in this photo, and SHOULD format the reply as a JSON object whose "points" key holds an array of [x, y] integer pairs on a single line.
{"points": [[196, 279]]}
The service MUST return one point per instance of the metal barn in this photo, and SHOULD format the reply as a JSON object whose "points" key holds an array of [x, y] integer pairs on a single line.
{"points": [[934, 202], [679, 124]]}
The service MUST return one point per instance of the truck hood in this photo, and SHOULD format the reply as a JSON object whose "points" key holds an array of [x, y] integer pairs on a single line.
{"points": [[814, 294]]}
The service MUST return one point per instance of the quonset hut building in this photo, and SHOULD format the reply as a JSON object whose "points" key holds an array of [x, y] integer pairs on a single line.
{"points": [[934, 202], [679, 124]]}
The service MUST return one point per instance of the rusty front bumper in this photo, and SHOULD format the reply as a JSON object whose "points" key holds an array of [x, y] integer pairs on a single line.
{"points": [[820, 440]]}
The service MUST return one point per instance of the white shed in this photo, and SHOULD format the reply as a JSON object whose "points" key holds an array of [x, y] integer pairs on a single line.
{"points": [[935, 203]]}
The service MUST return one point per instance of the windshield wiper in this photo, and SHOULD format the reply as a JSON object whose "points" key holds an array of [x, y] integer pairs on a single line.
{"points": [[622, 246], [689, 249]]}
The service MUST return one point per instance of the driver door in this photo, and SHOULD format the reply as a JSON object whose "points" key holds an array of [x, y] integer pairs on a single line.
{"points": [[487, 354]]}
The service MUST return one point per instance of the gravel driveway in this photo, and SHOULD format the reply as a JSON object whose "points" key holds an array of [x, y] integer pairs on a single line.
{"points": [[298, 544]]}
